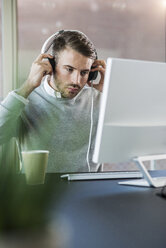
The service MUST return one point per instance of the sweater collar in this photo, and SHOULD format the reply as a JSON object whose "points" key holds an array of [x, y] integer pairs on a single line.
{"points": [[50, 91]]}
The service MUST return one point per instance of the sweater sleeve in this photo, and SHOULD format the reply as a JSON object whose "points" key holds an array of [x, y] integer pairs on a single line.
{"points": [[10, 111]]}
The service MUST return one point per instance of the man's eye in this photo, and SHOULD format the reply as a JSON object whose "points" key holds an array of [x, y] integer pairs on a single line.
{"points": [[83, 73], [69, 69]]}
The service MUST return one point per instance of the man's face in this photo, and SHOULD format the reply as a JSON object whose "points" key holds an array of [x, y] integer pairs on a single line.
{"points": [[72, 71]]}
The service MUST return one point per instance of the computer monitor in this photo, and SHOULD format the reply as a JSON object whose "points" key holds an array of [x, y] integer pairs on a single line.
{"points": [[132, 118]]}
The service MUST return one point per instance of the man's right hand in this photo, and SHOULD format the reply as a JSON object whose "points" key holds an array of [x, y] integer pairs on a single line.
{"points": [[40, 67]]}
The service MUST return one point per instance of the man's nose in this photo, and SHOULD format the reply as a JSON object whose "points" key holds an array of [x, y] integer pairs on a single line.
{"points": [[76, 78]]}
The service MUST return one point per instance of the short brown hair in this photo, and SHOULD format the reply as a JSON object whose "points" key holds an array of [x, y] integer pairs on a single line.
{"points": [[76, 40]]}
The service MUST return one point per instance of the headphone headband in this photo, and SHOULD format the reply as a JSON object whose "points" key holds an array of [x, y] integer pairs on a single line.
{"points": [[47, 44]]}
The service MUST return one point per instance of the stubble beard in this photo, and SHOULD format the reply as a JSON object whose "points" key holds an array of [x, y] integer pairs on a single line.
{"points": [[64, 90]]}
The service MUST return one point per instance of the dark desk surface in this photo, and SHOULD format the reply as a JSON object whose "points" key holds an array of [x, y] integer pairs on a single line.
{"points": [[103, 214]]}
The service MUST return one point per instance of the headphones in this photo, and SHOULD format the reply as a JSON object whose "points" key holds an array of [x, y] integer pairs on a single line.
{"points": [[48, 43]]}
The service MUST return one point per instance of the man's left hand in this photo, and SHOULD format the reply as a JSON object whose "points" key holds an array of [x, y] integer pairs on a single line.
{"points": [[100, 65]]}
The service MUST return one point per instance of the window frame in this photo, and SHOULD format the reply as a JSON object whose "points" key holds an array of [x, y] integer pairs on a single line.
{"points": [[9, 46]]}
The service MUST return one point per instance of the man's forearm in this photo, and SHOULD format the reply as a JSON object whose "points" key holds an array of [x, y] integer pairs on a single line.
{"points": [[25, 89]]}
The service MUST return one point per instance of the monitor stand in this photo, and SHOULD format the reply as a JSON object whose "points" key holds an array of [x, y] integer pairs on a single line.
{"points": [[148, 180]]}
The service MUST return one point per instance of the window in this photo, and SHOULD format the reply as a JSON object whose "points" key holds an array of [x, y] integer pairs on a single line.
{"points": [[118, 28], [0, 54]]}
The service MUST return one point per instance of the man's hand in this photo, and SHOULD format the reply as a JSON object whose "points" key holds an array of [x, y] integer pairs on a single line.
{"points": [[40, 67], [100, 65]]}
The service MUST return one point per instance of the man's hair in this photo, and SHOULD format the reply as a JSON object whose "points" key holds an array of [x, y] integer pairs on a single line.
{"points": [[75, 40]]}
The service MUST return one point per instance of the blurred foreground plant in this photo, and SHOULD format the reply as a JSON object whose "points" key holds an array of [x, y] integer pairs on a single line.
{"points": [[23, 207]]}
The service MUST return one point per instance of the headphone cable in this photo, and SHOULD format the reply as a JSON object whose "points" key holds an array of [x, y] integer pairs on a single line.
{"points": [[91, 128]]}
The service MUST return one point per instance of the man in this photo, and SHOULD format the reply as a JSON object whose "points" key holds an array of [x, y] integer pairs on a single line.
{"points": [[52, 109]]}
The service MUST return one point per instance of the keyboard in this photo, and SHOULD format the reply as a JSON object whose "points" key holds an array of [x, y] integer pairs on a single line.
{"points": [[102, 175]]}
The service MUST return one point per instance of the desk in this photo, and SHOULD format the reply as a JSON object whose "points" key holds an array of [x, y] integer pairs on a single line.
{"points": [[103, 214]]}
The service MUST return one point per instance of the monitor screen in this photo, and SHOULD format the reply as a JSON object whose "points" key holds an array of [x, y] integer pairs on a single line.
{"points": [[132, 118]]}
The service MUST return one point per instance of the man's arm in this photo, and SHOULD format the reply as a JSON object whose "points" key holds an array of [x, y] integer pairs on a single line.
{"points": [[12, 106], [10, 111], [40, 67], [99, 65]]}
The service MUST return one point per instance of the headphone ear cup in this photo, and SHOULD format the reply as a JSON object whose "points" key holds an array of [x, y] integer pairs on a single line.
{"points": [[53, 64], [92, 75]]}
